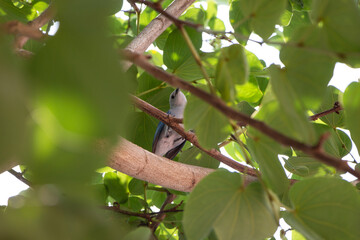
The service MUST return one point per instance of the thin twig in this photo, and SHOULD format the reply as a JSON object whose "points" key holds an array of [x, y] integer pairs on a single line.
{"points": [[197, 58], [216, 102], [160, 217], [336, 108], [20, 177]]}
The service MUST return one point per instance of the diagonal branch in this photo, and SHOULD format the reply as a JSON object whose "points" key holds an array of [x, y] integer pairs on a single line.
{"points": [[216, 102], [190, 136], [156, 27]]}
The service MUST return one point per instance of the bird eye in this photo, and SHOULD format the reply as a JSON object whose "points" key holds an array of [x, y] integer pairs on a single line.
{"points": [[172, 96]]}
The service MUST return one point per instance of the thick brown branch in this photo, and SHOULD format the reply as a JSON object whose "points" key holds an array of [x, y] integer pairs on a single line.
{"points": [[35, 24], [137, 162], [190, 136], [337, 107], [18, 28], [216, 102]]}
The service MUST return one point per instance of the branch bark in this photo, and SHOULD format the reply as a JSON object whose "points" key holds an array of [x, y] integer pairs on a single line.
{"points": [[156, 27], [141, 61], [137, 162]]}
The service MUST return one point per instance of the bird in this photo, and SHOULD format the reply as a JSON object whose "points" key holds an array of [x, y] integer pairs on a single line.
{"points": [[167, 143]]}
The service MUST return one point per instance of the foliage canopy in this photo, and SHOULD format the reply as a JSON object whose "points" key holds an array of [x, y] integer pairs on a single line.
{"points": [[72, 92]]}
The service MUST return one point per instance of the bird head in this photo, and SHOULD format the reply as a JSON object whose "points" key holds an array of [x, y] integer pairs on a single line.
{"points": [[177, 99]]}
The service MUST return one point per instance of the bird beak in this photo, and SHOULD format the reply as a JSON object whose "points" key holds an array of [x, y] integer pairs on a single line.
{"points": [[176, 90]]}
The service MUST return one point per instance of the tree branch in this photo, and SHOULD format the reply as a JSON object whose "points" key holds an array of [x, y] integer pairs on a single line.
{"points": [[35, 24], [190, 136], [216, 102], [137, 162], [24, 30], [20, 177], [156, 27]]}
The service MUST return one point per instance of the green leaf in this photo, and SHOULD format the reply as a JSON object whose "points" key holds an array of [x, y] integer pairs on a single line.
{"points": [[265, 152], [116, 187], [216, 24], [300, 61], [307, 166], [211, 10], [352, 105], [249, 91], [141, 130], [157, 198], [235, 152], [337, 19], [239, 22], [194, 156], [222, 203], [232, 69], [337, 144], [258, 15], [210, 126], [176, 50], [291, 105], [141, 233], [298, 20], [195, 15], [136, 186], [325, 208]]}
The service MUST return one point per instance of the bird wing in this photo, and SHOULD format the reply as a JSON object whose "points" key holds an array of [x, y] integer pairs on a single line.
{"points": [[158, 131], [173, 152]]}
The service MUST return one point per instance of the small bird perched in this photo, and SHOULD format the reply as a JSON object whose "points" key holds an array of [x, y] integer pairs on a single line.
{"points": [[167, 142]]}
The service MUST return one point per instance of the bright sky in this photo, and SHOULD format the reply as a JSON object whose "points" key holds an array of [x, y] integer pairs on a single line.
{"points": [[343, 76]]}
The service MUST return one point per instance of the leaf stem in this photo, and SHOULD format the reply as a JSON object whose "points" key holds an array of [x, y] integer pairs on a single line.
{"points": [[197, 58]]}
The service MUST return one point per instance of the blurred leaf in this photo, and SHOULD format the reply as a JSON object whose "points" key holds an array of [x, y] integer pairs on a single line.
{"points": [[337, 19], [259, 16], [298, 20], [195, 15], [232, 69], [216, 24], [194, 156], [330, 209], [211, 10], [208, 208], [210, 126], [141, 233], [352, 105], [13, 97]]}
